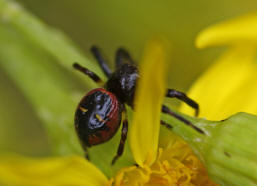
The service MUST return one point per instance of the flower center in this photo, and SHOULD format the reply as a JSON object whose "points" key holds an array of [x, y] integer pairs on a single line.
{"points": [[175, 165]]}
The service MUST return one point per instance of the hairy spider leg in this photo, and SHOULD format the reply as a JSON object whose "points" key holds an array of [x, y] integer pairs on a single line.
{"points": [[86, 154], [166, 110], [122, 56], [171, 93], [101, 60], [124, 132], [167, 125], [89, 73]]}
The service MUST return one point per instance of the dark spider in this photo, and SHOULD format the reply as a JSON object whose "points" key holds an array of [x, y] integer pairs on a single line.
{"points": [[98, 115]]}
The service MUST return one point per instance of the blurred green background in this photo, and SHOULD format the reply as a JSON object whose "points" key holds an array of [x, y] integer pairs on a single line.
{"points": [[108, 24]]}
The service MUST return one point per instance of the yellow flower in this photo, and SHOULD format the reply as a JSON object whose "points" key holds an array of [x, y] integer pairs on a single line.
{"points": [[173, 163], [230, 84], [75, 170]]}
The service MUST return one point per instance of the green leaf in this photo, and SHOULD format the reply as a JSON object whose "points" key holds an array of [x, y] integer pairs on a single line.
{"points": [[228, 149], [49, 39], [39, 60]]}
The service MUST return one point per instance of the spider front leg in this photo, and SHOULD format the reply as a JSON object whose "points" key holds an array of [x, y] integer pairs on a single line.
{"points": [[89, 73], [122, 56], [166, 110], [171, 93], [101, 61], [124, 132]]}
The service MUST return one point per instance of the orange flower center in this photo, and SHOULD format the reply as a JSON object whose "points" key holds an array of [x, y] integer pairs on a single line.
{"points": [[175, 165]]}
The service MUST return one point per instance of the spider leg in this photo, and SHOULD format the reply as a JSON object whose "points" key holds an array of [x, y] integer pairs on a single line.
{"points": [[166, 110], [167, 125], [122, 56], [89, 73], [85, 149], [86, 154], [171, 93], [124, 132], [101, 61]]}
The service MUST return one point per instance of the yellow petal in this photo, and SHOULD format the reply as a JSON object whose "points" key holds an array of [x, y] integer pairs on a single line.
{"points": [[240, 30], [227, 87], [74, 170], [144, 131]]}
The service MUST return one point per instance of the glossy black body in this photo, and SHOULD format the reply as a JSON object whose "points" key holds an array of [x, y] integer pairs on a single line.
{"points": [[98, 115]]}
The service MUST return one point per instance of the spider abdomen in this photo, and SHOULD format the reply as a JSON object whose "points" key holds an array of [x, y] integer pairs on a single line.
{"points": [[97, 117]]}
